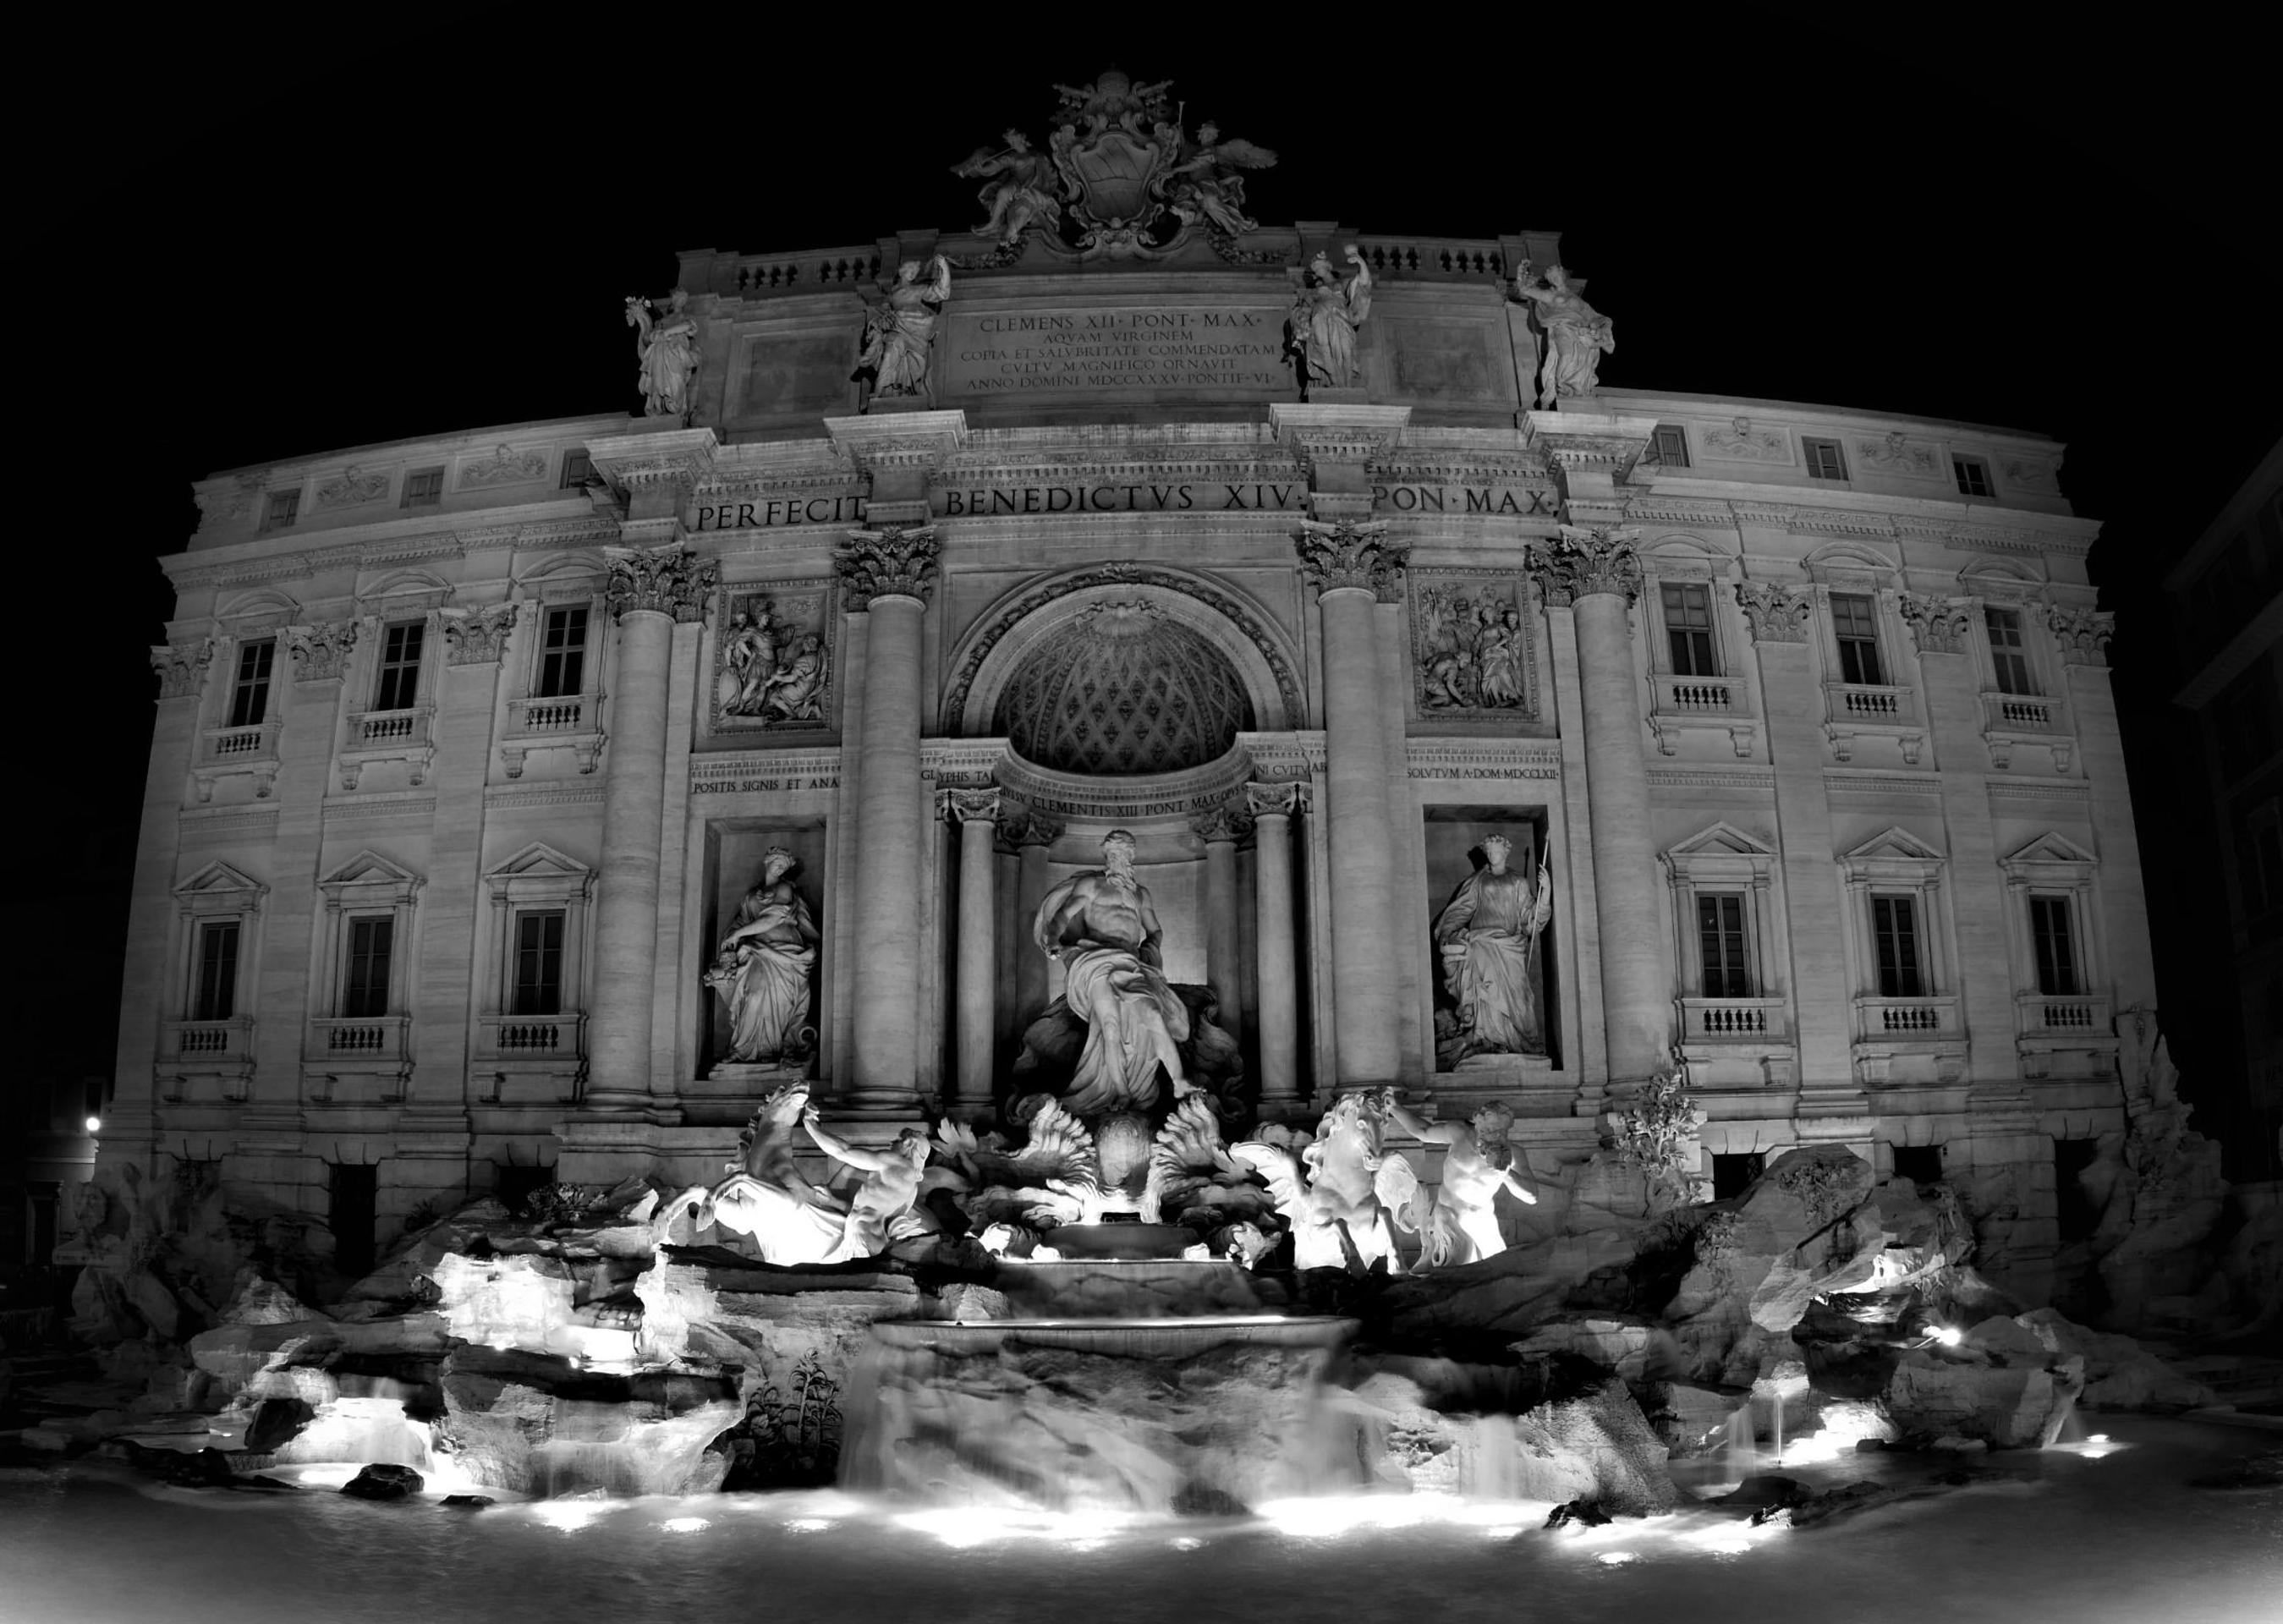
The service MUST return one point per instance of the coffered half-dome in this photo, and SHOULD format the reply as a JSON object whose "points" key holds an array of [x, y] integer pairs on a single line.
{"points": [[1124, 689]]}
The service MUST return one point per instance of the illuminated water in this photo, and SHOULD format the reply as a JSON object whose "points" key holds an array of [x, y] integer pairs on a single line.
{"points": [[2094, 1537]]}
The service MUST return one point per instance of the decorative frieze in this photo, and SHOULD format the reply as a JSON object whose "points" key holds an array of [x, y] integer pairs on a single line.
{"points": [[352, 487], [477, 636], [1896, 454], [1582, 563], [2083, 634], [1334, 557], [1740, 442], [898, 560], [1776, 614], [181, 668], [1939, 626], [1277, 799], [506, 466], [665, 581], [1227, 821], [1020, 826], [978, 805], [773, 661], [321, 652]]}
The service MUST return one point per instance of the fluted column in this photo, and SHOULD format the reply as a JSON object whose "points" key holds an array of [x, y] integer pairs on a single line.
{"points": [[1277, 973], [1221, 829], [1353, 566], [1597, 574], [976, 811], [887, 575], [649, 590], [1029, 834]]}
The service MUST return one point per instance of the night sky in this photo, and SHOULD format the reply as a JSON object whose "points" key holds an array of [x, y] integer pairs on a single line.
{"points": [[260, 238]]}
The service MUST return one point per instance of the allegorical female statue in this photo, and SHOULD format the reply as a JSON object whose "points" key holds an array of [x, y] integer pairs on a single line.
{"points": [[761, 970], [1488, 934], [1576, 335], [667, 341], [1321, 328], [899, 329]]}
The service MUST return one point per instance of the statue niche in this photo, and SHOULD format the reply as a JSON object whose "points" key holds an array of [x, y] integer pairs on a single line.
{"points": [[1488, 938], [763, 969]]}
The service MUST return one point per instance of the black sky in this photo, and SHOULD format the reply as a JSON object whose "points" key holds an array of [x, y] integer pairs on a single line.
{"points": [[269, 235]]}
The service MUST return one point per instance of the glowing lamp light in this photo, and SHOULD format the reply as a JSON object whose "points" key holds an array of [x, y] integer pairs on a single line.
{"points": [[1949, 1336], [1615, 1558], [95, 1124]]}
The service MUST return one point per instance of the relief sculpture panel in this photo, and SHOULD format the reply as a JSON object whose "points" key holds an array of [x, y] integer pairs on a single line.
{"points": [[773, 659], [1473, 656]]}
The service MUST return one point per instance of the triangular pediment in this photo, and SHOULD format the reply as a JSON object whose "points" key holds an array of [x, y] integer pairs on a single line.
{"points": [[1895, 841], [540, 861], [2052, 848], [219, 879], [368, 868], [1723, 839]]}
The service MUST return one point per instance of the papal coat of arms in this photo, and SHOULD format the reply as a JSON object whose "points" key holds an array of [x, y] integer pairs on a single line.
{"points": [[1119, 180]]}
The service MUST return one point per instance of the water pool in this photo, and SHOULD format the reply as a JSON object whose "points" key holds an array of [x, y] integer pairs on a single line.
{"points": [[2099, 1538]]}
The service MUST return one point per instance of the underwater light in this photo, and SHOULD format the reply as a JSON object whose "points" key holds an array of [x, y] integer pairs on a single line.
{"points": [[570, 1516], [807, 1525], [1188, 1541], [685, 1525], [1613, 1558]]}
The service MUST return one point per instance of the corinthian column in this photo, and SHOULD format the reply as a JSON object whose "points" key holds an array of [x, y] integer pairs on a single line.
{"points": [[1352, 567], [1221, 829], [1597, 574], [1272, 806], [1029, 834], [976, 811], [649, 590], [886, 575]]}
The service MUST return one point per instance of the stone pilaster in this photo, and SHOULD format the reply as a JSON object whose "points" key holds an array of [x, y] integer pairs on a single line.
{"points": [[442, 983], [1029, 834], [1221, 829], [1277, 972], [130, 1126], [885, 575], [1822, 1009], [648, 591], [1595, 573], [976, 812], [2082, 636], [1351, 567]]}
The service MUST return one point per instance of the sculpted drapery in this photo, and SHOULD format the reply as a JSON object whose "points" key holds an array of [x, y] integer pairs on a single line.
{"points": [[761, 970], [1102, 928], [1487, 934]]}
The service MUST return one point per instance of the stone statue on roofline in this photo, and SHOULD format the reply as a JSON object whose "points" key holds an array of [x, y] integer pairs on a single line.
{"points": [[1576, 335], [667, 341], [1321, 331], [1022, 189], [899, 331]]}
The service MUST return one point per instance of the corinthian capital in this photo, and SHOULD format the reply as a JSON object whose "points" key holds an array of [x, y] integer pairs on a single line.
{"points": [[321, 652], [181, 668], [1275, 799], [665, 581], [1776, 614], [1227, 821], [479, 636], [1939, 626], [1020, 826], [1582, 562], [2083, 634], [895, 562], [967, 805], [1337, 557]]}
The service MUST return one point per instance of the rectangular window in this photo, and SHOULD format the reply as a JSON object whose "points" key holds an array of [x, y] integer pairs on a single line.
{"points": [[217, 992], [2056, 947], [1972, 474], [2007, 652], [1720, 943], [1823, 460], [538, 963], [400, 666], [1895, 932], [563, 653], [351, 1213], [577, 468], [423, 487], [1919, 1163], [280, 509], [1689, 628], [364, 989], [1855, 619], [249, 697], [1671, 445]]}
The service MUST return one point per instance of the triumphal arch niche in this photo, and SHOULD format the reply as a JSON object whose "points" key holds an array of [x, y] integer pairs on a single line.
{"points": [[1275, 649]]}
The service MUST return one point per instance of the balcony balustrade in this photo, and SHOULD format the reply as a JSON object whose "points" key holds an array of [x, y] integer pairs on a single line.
{"points": [[371, 736], [564, 721]]}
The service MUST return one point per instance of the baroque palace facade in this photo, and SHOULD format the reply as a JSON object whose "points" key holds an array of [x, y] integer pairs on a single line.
{"points": [[472, 752]]}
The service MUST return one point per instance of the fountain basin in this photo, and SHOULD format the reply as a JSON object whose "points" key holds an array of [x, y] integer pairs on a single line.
{"points": [[1122, 1240], [1126, 1288]]}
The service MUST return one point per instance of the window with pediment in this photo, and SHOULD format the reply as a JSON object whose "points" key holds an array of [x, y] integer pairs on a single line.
{"points": [[1903, 971], [532, 995], [361, 1002], [2058, 963], [1727, 927], [218, 919]]}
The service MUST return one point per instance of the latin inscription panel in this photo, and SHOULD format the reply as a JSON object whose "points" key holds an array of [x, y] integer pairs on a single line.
{"points": [[1234, 350]]}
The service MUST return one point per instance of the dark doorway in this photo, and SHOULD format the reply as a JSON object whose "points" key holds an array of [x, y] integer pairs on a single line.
{"points": [[1732, 1175], [354, 1208], [1919, 1163], [2072, 1208], [513, 1183]]}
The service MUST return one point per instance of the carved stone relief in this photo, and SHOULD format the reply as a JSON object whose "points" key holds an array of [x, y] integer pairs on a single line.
{"points": [[351, 488], [773, 660], [477, 636], [1775, 614], [1472, 646], [1896, 454], [1740, 442], [322, 651], [1939, 626], [2030, 473], [506, 466]]}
